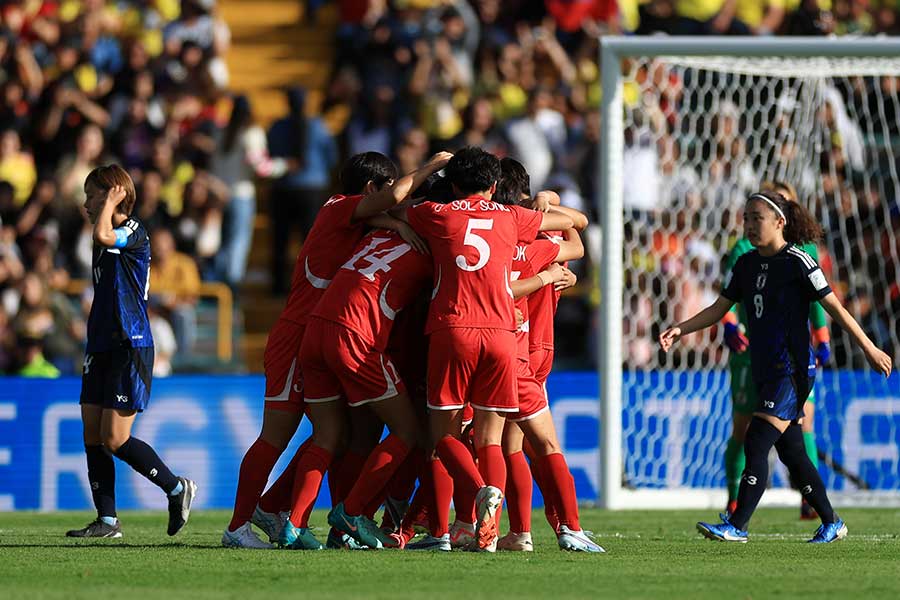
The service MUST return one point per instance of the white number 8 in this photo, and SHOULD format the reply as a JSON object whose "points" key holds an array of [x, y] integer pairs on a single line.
{"points": [[758, 303], [477, 242]]}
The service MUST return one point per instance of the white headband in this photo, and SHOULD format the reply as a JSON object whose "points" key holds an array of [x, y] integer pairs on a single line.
{"points": [[772, 204]]}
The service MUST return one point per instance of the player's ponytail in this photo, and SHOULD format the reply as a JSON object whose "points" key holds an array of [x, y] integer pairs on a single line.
{"points": [[801, 227]]}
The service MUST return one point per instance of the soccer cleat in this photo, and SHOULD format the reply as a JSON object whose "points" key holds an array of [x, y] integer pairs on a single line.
{"points": [[394, 511], [360, 528], [577, 541], [97, 529], [722, 532], [180, 506], [487, 502], [298, 538], [338, 540], [830, 532], [462, 534], [270, 523], [516, 542], [429, 542], [807, 512], [244, 537]]}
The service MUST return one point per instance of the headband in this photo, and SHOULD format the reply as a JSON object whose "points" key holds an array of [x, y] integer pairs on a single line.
{"points": [[770, 203]]}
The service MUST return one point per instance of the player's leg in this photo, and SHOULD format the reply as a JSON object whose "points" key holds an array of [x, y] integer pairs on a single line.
{"points": [[812, 451], [743, 399], [518, 492], [100, 464]]}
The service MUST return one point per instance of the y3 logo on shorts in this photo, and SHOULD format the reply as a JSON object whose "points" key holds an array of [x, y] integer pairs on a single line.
{"points": [[88, 359], [121, 398]]}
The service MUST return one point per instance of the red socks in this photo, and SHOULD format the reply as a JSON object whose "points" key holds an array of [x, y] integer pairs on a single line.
{"points": [[457, 459], [518, 493], [561, 488], [278, 497], [442, 493], [492, 466], [254, 473], [381, 465], [308, 479]]}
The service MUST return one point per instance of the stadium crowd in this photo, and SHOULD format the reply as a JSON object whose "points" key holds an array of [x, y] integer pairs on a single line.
{"points": [[144, 84]]}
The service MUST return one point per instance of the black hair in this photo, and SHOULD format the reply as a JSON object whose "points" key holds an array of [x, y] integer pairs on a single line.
{"points": [[473, 170], [365, 167], [514, 182], [800, 226], [241, 116], [296, 97]]}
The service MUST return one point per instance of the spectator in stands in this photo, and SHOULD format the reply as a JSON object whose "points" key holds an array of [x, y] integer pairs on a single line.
{"points": [[199, 227], [150, 208], [174, 287], [31, 359], [74, 168], [198, 27], [241, 156], [16, 167], [310, 151], [709, 17]]}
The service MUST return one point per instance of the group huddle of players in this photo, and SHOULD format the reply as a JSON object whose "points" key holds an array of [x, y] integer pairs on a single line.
{"points": [[424, 304]]}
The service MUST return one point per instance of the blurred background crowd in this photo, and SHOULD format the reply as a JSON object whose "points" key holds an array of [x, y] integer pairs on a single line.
{"points": [[145, 83]]}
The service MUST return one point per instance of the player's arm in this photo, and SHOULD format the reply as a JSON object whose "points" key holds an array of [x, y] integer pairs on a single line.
{"points": [[710, 315], [386, 220], [105, 232], [547, 201], [392, 195], [550, 276], [571, 246], [555, 221], [878, 360]]}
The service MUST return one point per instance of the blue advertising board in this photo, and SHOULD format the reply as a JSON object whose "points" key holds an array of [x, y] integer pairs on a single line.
{"points": [[201, 426]]}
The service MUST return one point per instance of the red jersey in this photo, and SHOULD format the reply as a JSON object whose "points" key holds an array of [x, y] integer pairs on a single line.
{"points": [[331, 240], [541, 310], [529, 260], [383, 276], [472, 245]]}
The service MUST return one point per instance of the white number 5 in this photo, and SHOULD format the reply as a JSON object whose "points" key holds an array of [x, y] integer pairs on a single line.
{"points": [[477, 242]]}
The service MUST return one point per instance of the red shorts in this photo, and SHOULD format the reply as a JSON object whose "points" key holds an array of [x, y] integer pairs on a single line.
{"points": [[337, 362], [281, 363], [472, 366], [532, 394], [541, 361]]}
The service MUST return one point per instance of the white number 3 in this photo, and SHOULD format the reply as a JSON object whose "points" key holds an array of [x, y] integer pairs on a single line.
{"points": [[477, 242]]}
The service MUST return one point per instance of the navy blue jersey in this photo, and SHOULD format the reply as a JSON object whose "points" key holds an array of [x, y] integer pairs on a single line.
{"points": [[776, 292], [121, 283]]}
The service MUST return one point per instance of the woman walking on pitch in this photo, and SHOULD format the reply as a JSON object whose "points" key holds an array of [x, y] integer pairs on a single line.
{"points": [[775, 283], [118, 361]]}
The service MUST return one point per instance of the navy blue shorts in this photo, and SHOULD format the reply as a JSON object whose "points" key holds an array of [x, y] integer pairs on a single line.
{"points": [[118, 379], [784, 396]]}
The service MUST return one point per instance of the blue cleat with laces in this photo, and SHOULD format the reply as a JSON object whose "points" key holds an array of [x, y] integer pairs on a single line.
{"points": [[722, 532], [298, 538], [830, 532]]}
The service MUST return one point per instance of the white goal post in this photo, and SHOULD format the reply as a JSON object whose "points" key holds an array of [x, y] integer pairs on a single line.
{"points": [[725, 75]]}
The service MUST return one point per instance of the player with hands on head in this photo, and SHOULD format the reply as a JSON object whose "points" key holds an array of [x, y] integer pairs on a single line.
{"points": [[118, 360], [776, 282]]}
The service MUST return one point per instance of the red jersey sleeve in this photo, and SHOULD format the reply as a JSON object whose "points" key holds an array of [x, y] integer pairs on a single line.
{"points": [[528, 223], [541, 253], [421, 217], [338, 210]]}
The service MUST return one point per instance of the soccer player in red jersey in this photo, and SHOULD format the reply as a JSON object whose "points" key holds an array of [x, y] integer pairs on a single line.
{"points": [[342, 356], [471, 322], [533, 420], [368, 182]]}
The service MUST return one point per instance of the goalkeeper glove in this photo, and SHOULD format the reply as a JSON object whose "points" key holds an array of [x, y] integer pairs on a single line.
{"points": [[823, 353], [734, 339]]}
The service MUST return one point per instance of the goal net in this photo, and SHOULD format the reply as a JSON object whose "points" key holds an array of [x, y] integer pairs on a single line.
{"points": [[692, 128]]}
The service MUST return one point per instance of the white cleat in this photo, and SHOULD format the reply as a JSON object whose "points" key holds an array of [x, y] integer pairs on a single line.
{"points": [[462, 534], [516, 542], [487, 502], [576, 541], [271, 523], [244, 537]]}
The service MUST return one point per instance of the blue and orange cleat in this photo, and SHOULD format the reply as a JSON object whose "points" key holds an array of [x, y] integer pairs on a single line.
{"points": [[722, 532]]}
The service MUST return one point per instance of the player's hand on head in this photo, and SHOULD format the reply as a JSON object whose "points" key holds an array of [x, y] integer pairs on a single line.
{"points": [[115, 195], [412, 238], [440, 159], [669, 337], [543, 200], [880, 361]]}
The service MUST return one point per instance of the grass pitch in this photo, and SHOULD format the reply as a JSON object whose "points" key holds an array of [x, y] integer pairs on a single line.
{"points": [[654, 554]]}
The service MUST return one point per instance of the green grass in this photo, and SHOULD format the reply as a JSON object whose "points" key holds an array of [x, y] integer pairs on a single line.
{"points": [[650, 555]]}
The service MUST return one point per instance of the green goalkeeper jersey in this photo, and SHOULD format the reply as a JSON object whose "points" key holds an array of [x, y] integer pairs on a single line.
{"points": [[816, 312]]}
